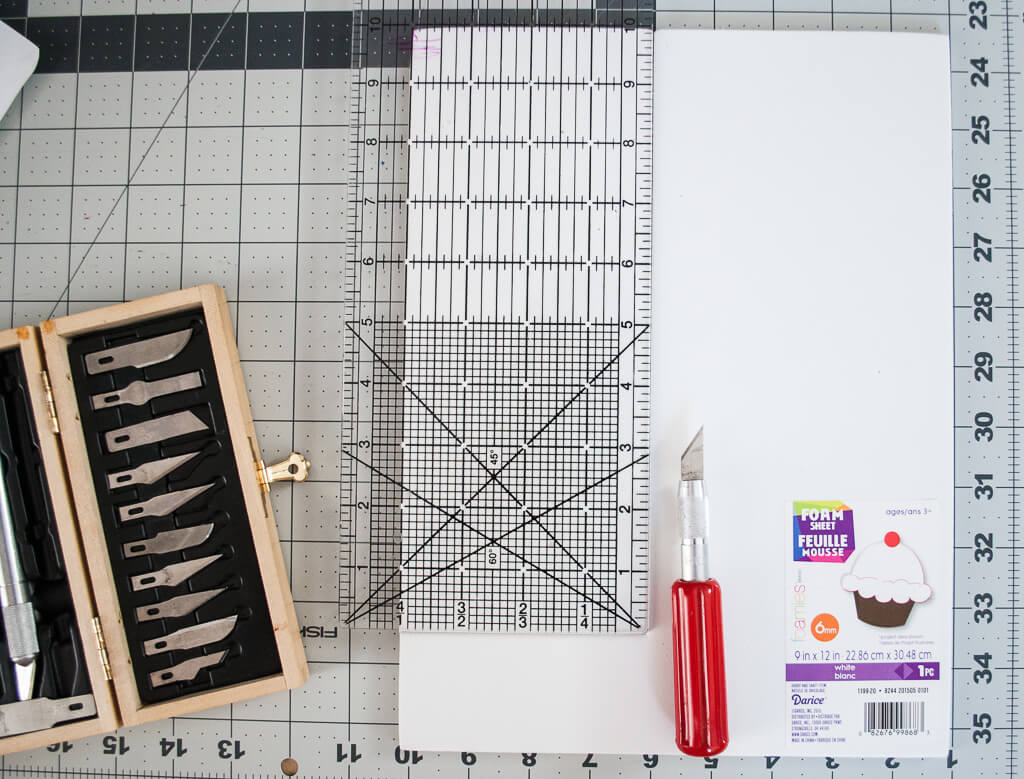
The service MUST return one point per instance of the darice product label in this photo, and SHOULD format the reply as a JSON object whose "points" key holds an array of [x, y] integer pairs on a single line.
{"points": [[868, 615]]}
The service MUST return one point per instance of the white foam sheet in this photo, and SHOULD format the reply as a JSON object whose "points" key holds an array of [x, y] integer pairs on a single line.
{"points": [[803, 282]]}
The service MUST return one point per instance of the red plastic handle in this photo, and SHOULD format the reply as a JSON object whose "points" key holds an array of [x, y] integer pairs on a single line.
{"points": [[702, 723]]}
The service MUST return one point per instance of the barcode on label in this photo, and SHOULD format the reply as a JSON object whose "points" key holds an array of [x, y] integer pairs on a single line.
{"points": [[894, 715]]}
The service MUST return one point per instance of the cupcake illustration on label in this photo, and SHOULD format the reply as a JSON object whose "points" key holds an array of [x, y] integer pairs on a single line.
{"points": [[886, 581]]}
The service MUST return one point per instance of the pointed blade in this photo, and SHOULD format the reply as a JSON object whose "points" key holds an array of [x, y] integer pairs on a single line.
{"points": [[691, 465], [187, 670], [147, 473], [169, 541], [25, 679], [153, 431], [171, 575], [176, 607], [192, 636], [161, 505], [138, 354]]}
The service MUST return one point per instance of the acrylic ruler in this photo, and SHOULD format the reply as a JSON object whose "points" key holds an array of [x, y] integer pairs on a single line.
{"points": [[520, 359], [525, 331]]}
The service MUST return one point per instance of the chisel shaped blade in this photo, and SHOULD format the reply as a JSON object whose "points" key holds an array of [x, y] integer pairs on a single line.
{"points": [[139, 392], [171, 575], [153, 431], [161, 505], [147, 473], [42, 713], [192, 636], [176, 607], [169, 541], [138, 354], [186, 670]]}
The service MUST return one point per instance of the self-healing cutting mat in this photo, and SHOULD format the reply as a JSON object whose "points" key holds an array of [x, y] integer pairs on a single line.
{"points": [[278, 81]]}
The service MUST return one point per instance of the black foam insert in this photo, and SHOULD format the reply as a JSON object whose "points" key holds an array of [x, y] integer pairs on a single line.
{"points": [[252, 649], [60, 667]]}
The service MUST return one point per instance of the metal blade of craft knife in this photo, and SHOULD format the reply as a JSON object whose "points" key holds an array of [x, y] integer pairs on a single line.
{"points": [[147, 473], [693, 511], [691, 464], [139, 392], [153, 431], [169, 541], [192, 636], [176, 607], [187, 670], [161, 505], [43, 713], [171, 575], [138, 354]]}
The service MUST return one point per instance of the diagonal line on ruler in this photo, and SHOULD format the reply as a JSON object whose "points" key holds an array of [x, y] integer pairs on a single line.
{"points": [[493, 475], [131, 177], [357, 614], [490, 541]]}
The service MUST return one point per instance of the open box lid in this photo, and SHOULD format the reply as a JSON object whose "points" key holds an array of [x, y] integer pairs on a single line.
{"points": [[26, 341]]}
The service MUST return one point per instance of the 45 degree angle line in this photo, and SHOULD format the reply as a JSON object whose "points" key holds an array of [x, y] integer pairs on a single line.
{"points": [[492, 476], [490, 541], [359, 613]]}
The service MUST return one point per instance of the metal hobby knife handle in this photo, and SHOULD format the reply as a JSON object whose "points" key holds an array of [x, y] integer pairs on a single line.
{"points": [[702, 728], [20, 628], [16, 604], [693, 519]]}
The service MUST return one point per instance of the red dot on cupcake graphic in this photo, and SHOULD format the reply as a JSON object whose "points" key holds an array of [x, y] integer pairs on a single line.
{"points": [[886, 580]]}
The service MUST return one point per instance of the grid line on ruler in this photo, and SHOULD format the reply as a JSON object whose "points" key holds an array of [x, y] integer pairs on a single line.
{"points": [[536, 369]]}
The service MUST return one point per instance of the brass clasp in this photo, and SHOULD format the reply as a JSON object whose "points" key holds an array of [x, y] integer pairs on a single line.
{"points": [[295, 468]]}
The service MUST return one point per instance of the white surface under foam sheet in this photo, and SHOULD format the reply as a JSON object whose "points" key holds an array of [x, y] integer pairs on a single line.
{"points": [[803, 281]]}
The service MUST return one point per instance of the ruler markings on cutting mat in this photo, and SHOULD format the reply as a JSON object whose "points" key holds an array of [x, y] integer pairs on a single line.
{"points": [[325, 744]]}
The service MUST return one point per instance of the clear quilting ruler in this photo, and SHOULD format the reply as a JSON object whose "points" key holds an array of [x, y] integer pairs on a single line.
{"points": [[517, 357]]}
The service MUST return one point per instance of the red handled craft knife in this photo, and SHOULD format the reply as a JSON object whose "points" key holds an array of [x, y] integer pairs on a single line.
{"points": [[702, 726]]}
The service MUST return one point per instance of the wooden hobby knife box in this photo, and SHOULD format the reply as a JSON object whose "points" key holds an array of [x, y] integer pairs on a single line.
{"points": [[74, 544]]}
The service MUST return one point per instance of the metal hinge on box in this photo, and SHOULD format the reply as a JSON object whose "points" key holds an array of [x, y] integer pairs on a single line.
{"points": [[51, 408], [295, 468], [102, 644]]}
